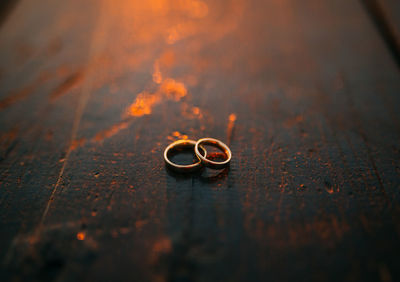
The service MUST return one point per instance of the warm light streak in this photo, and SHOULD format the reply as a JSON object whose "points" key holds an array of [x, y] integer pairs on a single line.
{"points": [[231, 125], [80, 236], [164, 38], [196, 111], [173, 90], [111, 131], [176, 135], [232, 118], [144, 103]]}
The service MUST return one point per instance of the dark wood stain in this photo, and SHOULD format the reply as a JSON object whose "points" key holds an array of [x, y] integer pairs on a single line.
{"points": [[304, 92]]}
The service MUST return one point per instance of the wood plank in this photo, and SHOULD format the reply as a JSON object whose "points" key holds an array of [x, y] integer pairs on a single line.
{"points": [[35, 128], [312, 191]]}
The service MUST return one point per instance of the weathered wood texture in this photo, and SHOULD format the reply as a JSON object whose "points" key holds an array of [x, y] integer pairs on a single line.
{"points": [[93, 91]]}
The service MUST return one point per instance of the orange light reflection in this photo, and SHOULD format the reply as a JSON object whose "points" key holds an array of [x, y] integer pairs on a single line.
{"points": [[80, 236], [164, 39]]}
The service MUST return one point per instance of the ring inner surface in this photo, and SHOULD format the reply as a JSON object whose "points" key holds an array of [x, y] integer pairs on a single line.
{"points": [[183, 154], [215, 156]]}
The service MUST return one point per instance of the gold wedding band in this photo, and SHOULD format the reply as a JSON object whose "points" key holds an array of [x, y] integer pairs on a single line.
{"points": [[183, 168], [215, 142]]}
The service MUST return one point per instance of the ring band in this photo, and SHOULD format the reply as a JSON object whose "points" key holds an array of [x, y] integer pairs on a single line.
{"points": [[183, 168], [218, 144]]}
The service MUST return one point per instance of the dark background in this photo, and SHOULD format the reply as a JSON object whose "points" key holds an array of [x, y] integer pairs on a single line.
{"points": [[306, 93]]}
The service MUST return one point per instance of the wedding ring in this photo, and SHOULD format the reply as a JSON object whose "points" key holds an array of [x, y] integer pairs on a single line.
{"points": [[216, 143], [184, 144]]}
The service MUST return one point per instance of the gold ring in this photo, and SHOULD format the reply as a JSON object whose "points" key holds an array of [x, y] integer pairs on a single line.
{"points": [[218, 144], [183, 168]]}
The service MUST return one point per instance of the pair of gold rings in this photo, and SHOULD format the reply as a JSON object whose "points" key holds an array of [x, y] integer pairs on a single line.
{"points": [[201, 154]]}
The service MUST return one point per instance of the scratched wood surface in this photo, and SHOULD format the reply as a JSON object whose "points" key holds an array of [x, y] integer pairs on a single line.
{"points": [[306, 93]]}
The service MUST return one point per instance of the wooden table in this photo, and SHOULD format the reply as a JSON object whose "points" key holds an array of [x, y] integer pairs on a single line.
{"points": [[306, 94]]}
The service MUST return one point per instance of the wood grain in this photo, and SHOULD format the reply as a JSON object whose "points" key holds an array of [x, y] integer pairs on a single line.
{"points": [[305, 93]]}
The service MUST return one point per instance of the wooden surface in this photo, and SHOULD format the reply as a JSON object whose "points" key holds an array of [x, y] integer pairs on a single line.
{"points": [[306, 93], [391, 9]]}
